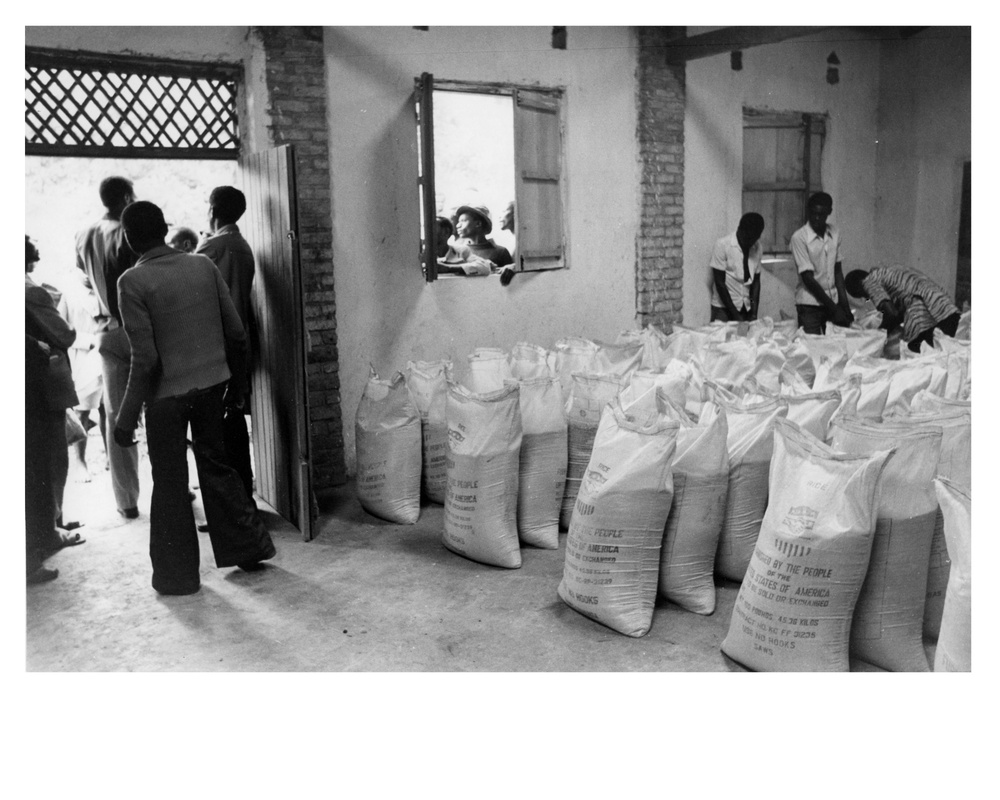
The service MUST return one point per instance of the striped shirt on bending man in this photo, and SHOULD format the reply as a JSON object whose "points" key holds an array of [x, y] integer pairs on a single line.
{"points": [[924, 304]]}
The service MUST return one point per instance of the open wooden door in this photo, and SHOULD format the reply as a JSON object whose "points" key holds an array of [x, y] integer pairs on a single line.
{"points": [[280, 413]]}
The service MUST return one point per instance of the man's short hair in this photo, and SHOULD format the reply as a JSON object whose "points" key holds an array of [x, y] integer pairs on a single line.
{"points": [[143, 222], [30, 251], [819, 198], [184, 235], [228, 202], [854, 282], [446, 223], [115, 191], [752, 223]]}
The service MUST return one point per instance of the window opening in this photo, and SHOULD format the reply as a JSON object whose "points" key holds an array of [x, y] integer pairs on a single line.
{"points": [[492, 146]]}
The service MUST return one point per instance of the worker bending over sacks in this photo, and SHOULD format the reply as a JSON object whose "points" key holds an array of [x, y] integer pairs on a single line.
{"points": [[906, 298]]}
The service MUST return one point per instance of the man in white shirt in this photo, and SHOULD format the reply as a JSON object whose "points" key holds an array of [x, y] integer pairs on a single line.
{"points": [[736, 272], [820, 296]]}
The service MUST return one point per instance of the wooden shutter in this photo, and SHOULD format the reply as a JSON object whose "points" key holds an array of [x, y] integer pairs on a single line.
{"points": [[424, 108], [279, 407], [538, 160]]}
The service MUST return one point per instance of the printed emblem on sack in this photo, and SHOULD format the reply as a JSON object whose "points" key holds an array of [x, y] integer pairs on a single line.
{"points": [[455, 435], [800, 519], [593, 481]]}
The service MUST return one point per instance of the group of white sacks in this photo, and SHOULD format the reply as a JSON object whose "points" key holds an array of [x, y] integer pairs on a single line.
{"points": [[810, 468]]}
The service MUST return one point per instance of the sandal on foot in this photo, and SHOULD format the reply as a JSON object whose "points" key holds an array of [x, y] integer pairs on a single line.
{"points": [[71, 540]]}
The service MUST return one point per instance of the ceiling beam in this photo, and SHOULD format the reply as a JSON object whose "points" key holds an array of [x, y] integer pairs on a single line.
{"points": [[725, 40]]}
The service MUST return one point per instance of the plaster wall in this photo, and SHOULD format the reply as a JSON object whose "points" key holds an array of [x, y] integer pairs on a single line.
{"points": [[925, 136], [386, 313], [789, 76]]}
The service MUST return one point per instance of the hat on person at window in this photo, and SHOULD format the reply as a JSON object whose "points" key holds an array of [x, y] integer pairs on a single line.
{"points": [[480, 211]]}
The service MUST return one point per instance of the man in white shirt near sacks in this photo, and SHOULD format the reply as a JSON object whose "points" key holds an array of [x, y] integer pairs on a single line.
{"points": [[821, 296], [735, 268]]}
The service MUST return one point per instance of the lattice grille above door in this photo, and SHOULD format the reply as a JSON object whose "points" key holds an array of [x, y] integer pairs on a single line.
{"points": [[86, 105]]}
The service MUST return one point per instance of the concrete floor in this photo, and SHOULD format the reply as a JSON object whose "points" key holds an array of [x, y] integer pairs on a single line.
{"points": [[363, 596]]}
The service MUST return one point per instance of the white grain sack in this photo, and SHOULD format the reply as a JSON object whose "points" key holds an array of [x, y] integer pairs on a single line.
{"points": [[489, 369], [587, 399], [813, 411], [616, 531], [691, 536], [750, 441], [954, 648], [428, 384], [888, 620], [955, 465], [389, 452], [480, 508], [572, 354], [529, 361], [544, 453], [794, 609]]}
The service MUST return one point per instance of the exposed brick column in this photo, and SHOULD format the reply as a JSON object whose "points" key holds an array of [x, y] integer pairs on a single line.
{"points": [[660, 243], [295, 76]]}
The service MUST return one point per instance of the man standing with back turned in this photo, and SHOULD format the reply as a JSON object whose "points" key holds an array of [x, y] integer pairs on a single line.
{"points": [[102, 253], [181, 323], [234, 259]]}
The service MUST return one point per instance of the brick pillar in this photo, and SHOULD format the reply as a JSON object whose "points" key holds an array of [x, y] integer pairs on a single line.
{"points": [[660, 243], [295, 76]]}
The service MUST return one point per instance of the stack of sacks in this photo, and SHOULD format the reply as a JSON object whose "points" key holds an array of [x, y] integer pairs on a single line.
{"points": [[529, 361], [616, 530], [652, 340], [571, 354], [887, 630], [954, 465], [811, 411], [701, 482], [865, 390], [484, 442], [543, 446], [673, 380], [617, 359], [687, 343], [389, 453], [589, 394], [858, 341], [794, 609], [797, 358], [428, 385], [954, 355], [544, 454], [729, 363], [489, 369], [954, 648], [749, 442]]}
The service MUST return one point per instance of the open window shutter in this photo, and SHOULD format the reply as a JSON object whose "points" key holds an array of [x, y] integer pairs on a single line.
{"points": [[425, 148], [538, 191]]}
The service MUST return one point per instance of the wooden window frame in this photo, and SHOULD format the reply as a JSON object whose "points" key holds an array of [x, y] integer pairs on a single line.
{"points": [[810, 124], [82, 135], [545, 100]]}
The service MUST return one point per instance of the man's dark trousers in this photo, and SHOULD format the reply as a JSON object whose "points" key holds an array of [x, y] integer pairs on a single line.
{"points": [[237, 441], [238, 535], [813, 319]]}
